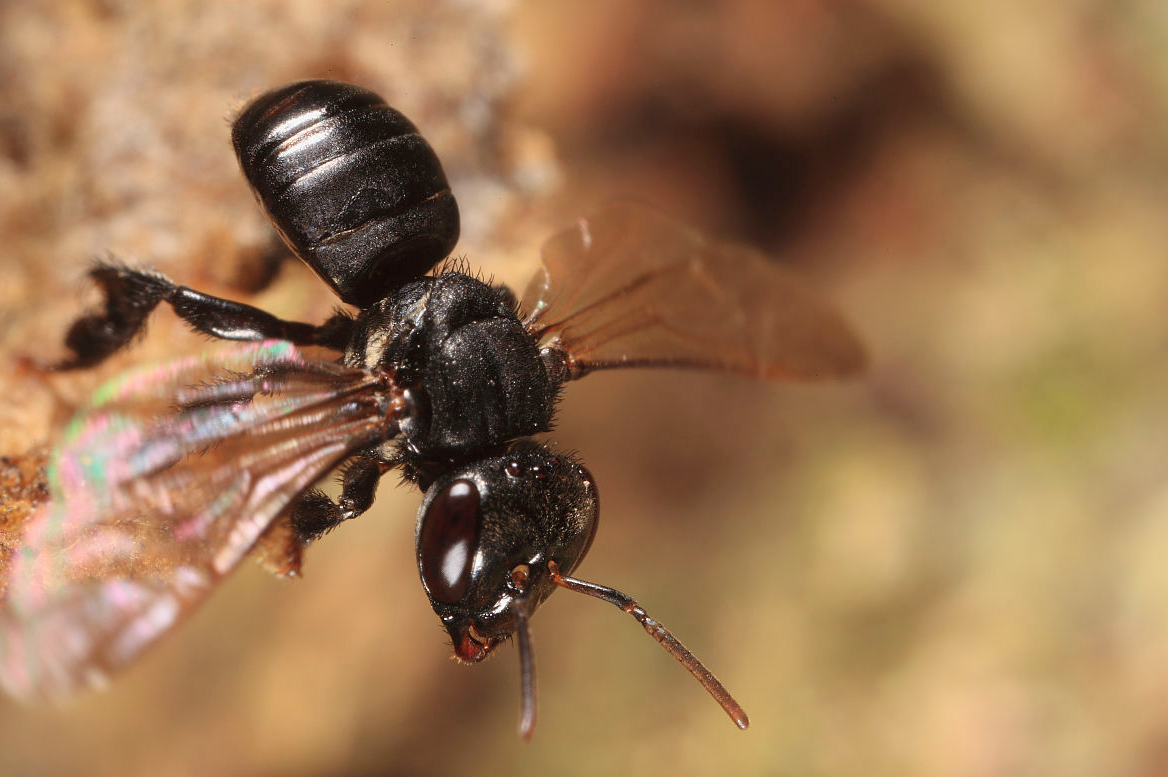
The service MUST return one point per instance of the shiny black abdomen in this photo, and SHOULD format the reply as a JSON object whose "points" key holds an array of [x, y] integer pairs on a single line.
{"points": [[352, 187]]}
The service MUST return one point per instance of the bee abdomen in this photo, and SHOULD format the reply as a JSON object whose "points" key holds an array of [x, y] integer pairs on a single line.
{"points": [[352, 187]]}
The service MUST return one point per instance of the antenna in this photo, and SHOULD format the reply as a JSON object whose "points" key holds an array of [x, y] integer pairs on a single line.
{"points": [[655, 629], [526, 677]]}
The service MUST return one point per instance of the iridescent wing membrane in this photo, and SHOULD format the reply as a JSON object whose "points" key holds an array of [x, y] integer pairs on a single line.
{"points": [[630, 288], [158, 490]]}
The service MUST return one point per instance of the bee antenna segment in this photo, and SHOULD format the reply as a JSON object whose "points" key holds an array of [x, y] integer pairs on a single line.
{"points": [[663, 637]]}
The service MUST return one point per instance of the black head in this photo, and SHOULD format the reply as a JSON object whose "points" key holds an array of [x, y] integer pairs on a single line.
{"points": [[486, 534], [349, 183], [495, 537]]}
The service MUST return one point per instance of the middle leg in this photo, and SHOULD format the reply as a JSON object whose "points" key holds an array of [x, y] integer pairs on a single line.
{"points": [[314, 514]]}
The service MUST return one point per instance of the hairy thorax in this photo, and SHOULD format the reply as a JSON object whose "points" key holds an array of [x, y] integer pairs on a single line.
{"points": [[472, 374]]}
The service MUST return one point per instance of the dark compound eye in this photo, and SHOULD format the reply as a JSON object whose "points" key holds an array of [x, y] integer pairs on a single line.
{"points": [[450, 531]]}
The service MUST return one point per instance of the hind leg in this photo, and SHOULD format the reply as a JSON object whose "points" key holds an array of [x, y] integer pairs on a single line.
{"points": [[132, 295]]}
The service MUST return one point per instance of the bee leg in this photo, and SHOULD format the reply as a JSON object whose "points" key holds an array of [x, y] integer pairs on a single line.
{"points": [[131, 295], [314, 514], [230, 320], [279, 549]]}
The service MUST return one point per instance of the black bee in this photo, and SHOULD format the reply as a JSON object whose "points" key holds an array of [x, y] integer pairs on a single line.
{"points": [[175, 472]]}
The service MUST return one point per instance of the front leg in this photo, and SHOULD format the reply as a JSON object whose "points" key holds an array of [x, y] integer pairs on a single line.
{"points": [[314, 514], [131, 296]]}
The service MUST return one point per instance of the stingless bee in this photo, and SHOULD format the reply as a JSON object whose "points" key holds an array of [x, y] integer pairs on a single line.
{"points": [[175, 472]]}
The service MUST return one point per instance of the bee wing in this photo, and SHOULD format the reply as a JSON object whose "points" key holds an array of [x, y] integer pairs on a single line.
{"points": [[630, 288], [157, 491]]}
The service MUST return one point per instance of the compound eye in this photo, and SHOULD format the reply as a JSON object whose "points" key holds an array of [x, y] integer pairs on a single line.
{"points": [[450, 530]]}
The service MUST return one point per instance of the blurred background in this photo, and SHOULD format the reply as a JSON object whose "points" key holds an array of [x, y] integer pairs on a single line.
{"points": [[952, 567]]}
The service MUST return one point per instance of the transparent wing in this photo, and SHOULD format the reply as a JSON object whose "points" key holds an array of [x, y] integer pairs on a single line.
{"points": [[157, 491], [628, 287]]}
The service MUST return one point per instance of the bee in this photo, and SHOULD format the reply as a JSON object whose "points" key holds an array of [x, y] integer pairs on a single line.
{"points": [[174, 473]]}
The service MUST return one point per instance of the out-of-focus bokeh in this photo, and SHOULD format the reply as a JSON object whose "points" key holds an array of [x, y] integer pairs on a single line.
{"points": [[953, 567]]}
